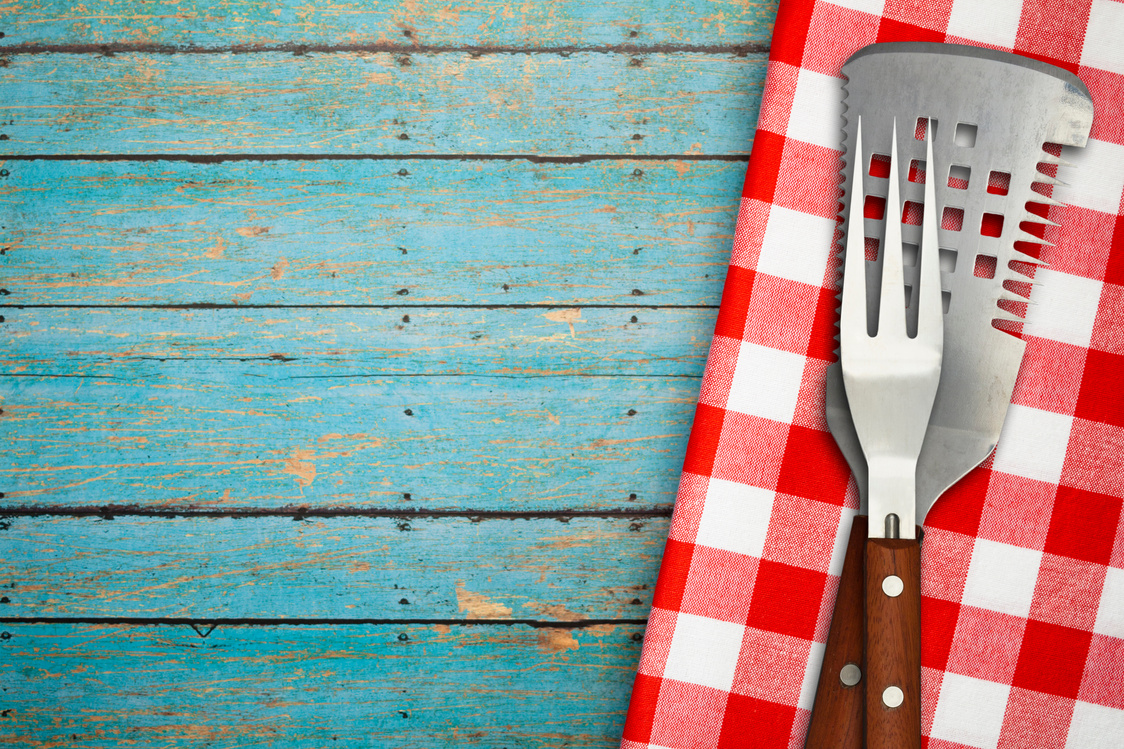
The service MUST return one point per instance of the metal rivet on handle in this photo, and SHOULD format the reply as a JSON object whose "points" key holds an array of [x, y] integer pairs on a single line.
{"points": [[892, 586], [850, 675], [893, 697]]}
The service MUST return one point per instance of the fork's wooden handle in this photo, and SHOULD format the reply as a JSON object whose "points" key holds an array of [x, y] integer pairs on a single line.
{"points": [[837, 714], [893, 644]]}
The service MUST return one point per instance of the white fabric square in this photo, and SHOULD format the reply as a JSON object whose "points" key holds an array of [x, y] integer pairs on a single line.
{"points": [[866, 6], [796, 246], [735, 517], [1110, 613], [811, 676], [987, 21], [1033, 444], [1095, 727], [1064, 307], [817, 110], [766, 382], [1104, 47], [704, 651], [970, 711], [1001, 578], [1096, 179]]}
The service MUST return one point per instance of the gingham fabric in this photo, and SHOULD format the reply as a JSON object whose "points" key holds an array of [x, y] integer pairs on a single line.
{"points": [[1023, 561]]}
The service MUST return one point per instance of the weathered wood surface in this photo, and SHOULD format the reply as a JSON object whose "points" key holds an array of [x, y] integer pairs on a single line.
{"points": [[349, 342], [367, 232], [544, 24], [310, 687], [226, 434], [380, 568], [381, 103]]}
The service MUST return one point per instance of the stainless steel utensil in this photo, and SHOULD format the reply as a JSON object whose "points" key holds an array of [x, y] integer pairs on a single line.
{"points": [[995, 111]]}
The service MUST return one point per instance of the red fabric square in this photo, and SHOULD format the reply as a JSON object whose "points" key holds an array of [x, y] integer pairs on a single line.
{"points": [[938, 627], [1083, 243], [672, 580], [809, 179], [1034, 719], [706, 432], [1103, 682], [1104, 87], [750, 450], [813, 466], [749, 235], [1094, 459], [960, 508], [1052, 659], [986, 644], [718, 377], [1102, 388], [1053, 33], [897, 31], [790, 331], [794, 18], [771, 666], [755, 724], [1067, 592], [811, 398], [764, 166], [719, 584], [944, 563], [832, 49], [688, 715], [1108, 328], [1114, 269], [1050, 376], [822, 343], [802, 532], [777, 97], [1017, 511], [930, 14], [1083, 525], [642, 708], [736, 293], [786, 599]]}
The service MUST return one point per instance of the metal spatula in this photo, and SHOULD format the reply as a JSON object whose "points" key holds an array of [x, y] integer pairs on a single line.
{"points": [[991, 114]]}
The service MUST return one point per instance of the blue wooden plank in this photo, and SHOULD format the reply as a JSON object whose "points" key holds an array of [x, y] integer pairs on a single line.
{"points": [[566, 341], [310, 687], [542, 24], [340, 568], [233, 434], [376, 103], [367, 232]]}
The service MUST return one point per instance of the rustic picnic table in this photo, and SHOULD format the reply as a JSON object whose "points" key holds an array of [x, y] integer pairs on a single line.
{"points": [[350, 353]]}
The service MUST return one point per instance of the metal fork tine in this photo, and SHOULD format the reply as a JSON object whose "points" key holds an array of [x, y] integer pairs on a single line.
{"points": [[852, 317], [891, 311], [930, 306]]}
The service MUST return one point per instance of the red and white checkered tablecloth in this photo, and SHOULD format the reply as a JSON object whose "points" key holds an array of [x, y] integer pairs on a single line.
{"points": [[1023, 561]]}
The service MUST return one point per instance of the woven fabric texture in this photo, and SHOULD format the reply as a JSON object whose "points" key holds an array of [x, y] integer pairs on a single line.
{"points": [[1023, 560]]}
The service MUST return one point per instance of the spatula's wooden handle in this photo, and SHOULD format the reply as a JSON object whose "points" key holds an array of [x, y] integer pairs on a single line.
{"points": [[893, 644], [837, 714]]}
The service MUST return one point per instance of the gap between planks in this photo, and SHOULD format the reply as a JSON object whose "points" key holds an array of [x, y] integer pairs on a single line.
{"points": [[298, 49]]}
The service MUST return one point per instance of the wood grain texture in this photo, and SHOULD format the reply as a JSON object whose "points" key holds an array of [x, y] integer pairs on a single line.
{"points": [[309, 687], [232, 434], [444, 568], [893, 644], [367, 232], [543, 24], [381, 103], [318, 341], [837, 714]]}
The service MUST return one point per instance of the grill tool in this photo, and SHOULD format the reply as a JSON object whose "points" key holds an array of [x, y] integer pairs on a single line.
{"points": [[990, 114]]}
